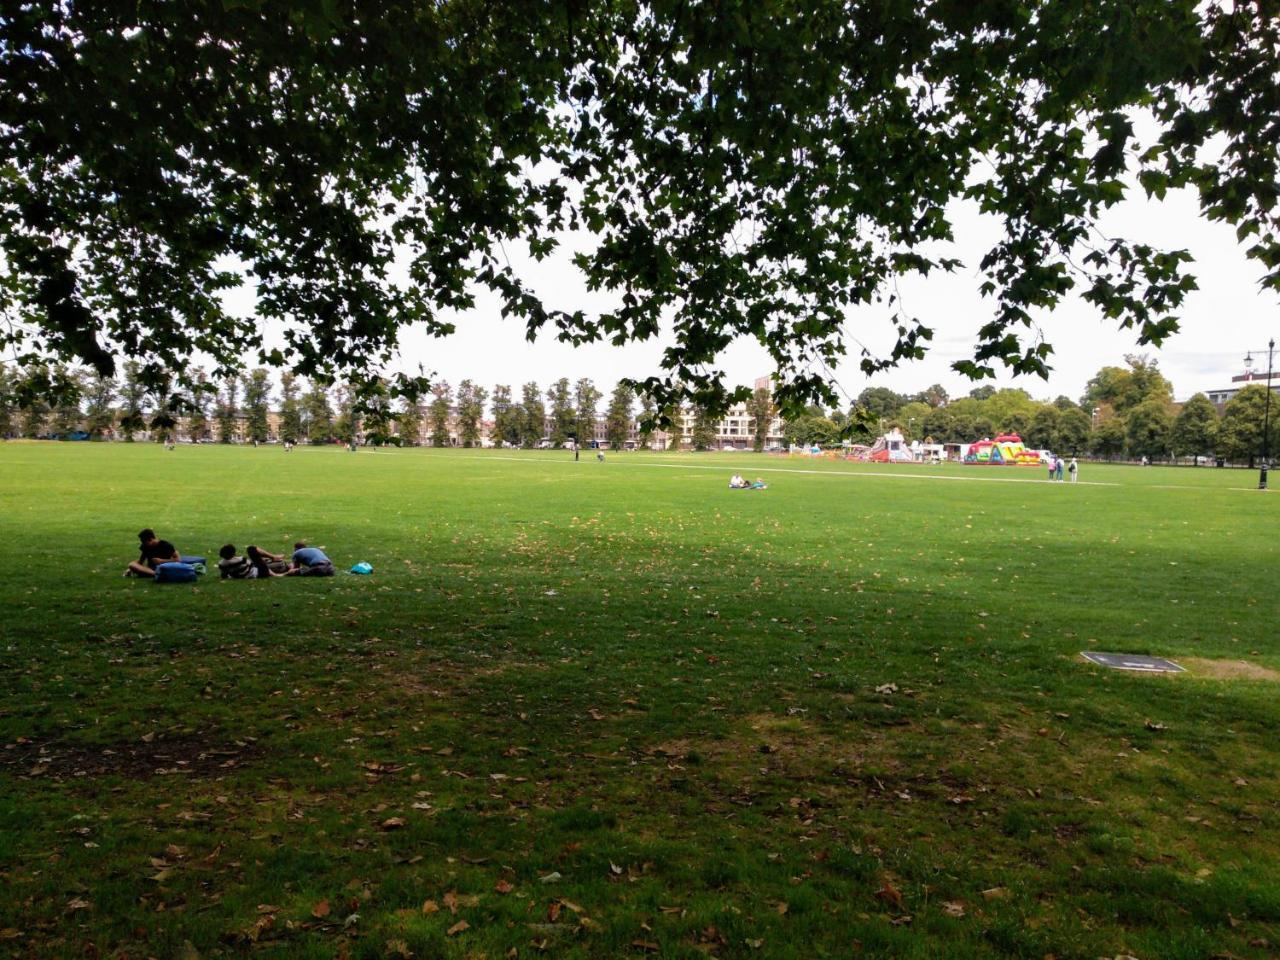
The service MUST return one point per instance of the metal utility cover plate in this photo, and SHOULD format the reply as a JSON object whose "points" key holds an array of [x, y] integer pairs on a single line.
{"points": [[1132, 661]]}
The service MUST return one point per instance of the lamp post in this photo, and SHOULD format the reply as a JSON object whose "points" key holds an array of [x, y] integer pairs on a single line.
{"points": [[1266, 414]]}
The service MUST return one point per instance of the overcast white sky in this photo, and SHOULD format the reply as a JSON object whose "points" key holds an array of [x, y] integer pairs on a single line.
{"points": [[1226, 317]]}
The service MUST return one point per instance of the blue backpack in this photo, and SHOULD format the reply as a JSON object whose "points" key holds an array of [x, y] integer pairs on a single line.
{"points": [[175, 572]]}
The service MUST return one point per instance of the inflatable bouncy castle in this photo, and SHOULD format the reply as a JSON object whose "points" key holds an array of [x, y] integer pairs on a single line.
{"points": [[1006, 450]]}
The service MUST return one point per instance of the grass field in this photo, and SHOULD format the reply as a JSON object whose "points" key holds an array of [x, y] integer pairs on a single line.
{"points": [[616, 709]]}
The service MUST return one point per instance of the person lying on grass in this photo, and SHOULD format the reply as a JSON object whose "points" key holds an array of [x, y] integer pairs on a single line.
{"points": [[309, 562], [154, 552], [256, 564], [759, 485]]}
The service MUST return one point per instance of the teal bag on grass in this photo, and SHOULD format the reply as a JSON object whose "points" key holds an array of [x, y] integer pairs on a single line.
{"points": [[362, 568]]}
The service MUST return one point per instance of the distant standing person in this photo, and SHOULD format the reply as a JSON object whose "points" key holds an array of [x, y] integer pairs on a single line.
{"points": [[1073, 468], [154, 552], [1053, 465], [1060, 466], [309, 562]]}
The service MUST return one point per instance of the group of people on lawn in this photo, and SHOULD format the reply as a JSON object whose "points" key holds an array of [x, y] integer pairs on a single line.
{"points": [[254, 564], [1056, 466]]}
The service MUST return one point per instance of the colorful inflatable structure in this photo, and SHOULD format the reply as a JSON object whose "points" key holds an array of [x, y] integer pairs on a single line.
{"points": [[1006, 450]]}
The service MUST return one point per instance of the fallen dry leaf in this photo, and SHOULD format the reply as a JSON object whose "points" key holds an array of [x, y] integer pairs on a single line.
{"points": [[889, 894], [430, 906], [392, 823], [953, 908], [502, 886], [457, 928], [398, 948], [262, 925], [451, 901], [320, 910], [646, 945], [553, 911], [995, 893]]}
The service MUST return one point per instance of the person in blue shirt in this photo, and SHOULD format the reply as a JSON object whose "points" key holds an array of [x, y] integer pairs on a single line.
{"points": [[309, 562]]}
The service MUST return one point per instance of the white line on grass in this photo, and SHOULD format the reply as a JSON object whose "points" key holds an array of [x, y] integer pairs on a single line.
{"points": [[821, 473]]}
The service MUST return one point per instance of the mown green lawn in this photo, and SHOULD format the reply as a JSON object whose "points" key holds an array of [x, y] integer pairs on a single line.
{"points": [[616, 709]]}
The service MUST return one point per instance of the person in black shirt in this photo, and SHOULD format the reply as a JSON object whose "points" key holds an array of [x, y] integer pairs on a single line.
{"points": [[154, 552]]}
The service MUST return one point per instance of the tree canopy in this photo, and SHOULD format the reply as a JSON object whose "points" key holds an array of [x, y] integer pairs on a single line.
{"points": [[1195, 427], [1239, 435], [1123, 388], [742, 169]]}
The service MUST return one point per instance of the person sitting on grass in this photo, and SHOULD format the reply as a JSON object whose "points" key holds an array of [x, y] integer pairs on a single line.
{"points": [[738, 482], [309, 562], [254, 565], [154, 552]]}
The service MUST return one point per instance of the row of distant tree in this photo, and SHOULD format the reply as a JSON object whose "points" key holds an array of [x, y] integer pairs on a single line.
{"points": [[1126, 410], [313, 412]]}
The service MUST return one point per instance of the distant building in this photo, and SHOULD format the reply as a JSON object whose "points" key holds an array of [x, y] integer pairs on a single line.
{"points": [[1219, 398], [735, 432]]}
